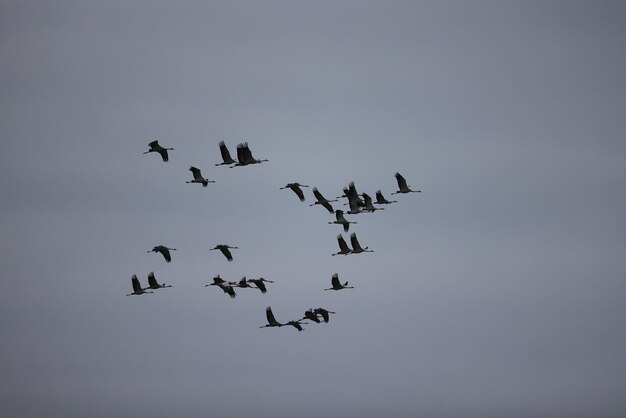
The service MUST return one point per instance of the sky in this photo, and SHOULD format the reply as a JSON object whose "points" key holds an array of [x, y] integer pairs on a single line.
{"points": [[497, 291]]}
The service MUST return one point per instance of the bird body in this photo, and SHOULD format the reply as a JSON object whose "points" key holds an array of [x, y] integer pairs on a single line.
{"points": [[321, 200], [402, 186], [356, 247], [225, 250], [155, 147], [226, 158], [296, 187], [336, 284], [260, 283], [244, 156], [165, 252], [137, 289], [153, 284], [340, 220], [197, 177], [380, 199], [343, 247]]}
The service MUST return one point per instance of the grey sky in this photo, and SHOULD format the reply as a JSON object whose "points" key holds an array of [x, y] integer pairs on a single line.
{"points": [[499, 291]]}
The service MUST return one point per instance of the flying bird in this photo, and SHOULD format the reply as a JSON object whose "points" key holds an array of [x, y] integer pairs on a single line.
{"points": [[137, 289], [155, 147], [336, 284], [296, 324], [165, 252], [224, 285], [311, 315], [153, 284], [369, 207], [260, 283], [380, 199], [226, 158], [197, 177], [296, 189], [243, 283], [402, 185], [356, 247], [271, 321], [341, 221], [225, 250], [324, 312], [244, 156], [321, 200], [343, 247]]}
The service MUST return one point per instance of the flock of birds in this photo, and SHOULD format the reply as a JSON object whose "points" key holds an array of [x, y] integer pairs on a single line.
{"points": [[357, 202]]}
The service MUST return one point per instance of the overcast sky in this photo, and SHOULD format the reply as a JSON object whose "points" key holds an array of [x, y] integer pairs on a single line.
{"points": [[498, 291]]}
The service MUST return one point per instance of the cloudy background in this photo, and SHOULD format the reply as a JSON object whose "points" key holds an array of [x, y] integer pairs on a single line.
{"points": [[498, 291]]}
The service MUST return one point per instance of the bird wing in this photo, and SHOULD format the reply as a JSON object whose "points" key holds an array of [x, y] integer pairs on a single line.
{"points": [[217, 280], [247, 153], [318, 195], [323, 312], [152, 280], [197, 174], [166, 254], [334, 281], [342, 243], [136, 285], [339, 215], [229, 289], [225, 153], [154, 145], [261, 286], [297, 190], [296, 325], [379, 197], [241, 155], [401, 181], [270, 316], [354, 241], [328, 206], [226, 253]]}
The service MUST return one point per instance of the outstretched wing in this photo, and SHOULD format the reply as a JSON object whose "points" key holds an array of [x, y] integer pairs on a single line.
{"points": [[154, 145], [270, 316], [334, 281], [401, 181], [225, 153], [318, 195], [152, 280], [354, 241], [328, 206], [226, 253], [297, 190], [342, 244], [166, 254], [241, 154], [136, 285]]}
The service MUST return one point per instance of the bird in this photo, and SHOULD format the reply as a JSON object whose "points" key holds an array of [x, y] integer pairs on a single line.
{"points": [[356, 247], [324, 312], [402, 185], [155, 147], [343, 247], [243, 283], [311, 315], [296, 189], [224, 285], [296, 324], [341, 220], [153, 284], [225, 250], [260, 283], [226, 158], [271, 321], [165, 252], [369, 207], [380, 199], [197, 177], [321, 200], [336, 284], [244, 156], [137, 290]]}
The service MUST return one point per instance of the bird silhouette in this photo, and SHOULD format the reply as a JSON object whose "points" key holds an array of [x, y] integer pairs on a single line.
{"points": [[356, 247], [155, 147], [137, 289], [244, 156], [296, 189], [321, 200], [224, 285], [403, 188], [324, 312], [260, 283], [226, 158], [343, 247], [380, 199], [165, 252], [340, 220], [153, 284], [336, 284], [197, 177], [225, 250]]}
